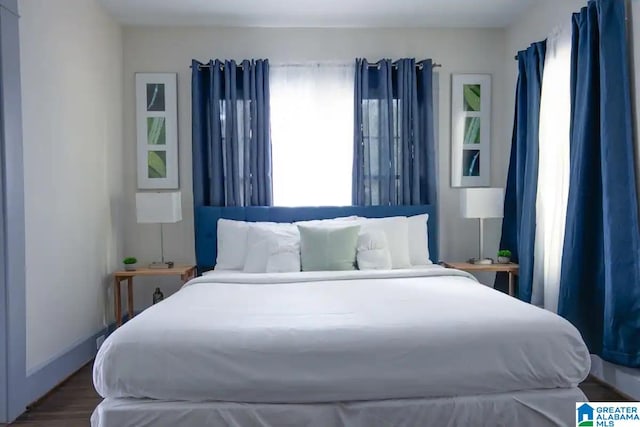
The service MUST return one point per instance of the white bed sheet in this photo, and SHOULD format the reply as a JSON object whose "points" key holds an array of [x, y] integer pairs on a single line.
{"points": [[546, 408], [327, 337]]}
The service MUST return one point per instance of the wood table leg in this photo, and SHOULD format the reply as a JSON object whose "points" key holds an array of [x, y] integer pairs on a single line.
{"points": [[117, 301], [188, 275], [512, 290], [130, 296]]}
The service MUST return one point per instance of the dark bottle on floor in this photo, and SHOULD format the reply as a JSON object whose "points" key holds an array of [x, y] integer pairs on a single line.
{"points": [[157, 296]]}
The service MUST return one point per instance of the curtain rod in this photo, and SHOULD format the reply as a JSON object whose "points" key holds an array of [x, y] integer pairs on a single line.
{"points": [[419, 66]]}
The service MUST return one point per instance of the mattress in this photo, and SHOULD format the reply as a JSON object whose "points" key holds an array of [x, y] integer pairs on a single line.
{"points": [[537, 408], [339, 336]]}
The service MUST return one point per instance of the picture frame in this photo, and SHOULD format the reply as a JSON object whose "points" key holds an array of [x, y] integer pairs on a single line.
{"points": [[470, 130], [157, 130]]}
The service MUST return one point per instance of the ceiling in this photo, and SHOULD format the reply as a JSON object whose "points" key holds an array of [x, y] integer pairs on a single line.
{"points": [[318, 13]]}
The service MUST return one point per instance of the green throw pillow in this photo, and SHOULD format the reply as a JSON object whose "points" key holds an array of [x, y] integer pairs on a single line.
{"points": [[328, 248]]}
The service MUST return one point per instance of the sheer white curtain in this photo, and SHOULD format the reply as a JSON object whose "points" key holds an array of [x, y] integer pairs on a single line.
{"points": [[312, 134], [553, 171]]}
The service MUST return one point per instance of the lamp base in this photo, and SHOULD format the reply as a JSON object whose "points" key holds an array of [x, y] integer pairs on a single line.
{"points": [[481, 261], [161, 265]]}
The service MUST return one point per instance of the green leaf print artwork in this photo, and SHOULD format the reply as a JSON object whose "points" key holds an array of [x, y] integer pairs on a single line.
{"points": [[156, 131], [472, 130], [471, 94], [157, 164]]}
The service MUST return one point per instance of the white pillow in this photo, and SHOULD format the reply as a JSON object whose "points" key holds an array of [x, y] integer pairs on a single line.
{"points": [[232, 244], [419, 240], [272, 247], [339, 221], [283, 258], [396, 230], [372, 252], [257, 257]]}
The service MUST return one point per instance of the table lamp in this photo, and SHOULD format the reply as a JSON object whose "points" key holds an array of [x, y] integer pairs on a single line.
{"points": [[159, 208], [482, 203]]}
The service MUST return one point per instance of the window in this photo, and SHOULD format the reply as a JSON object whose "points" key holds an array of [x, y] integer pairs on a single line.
{"points": [[312, 134], [372, 111], [242, 122], [396, 155]]}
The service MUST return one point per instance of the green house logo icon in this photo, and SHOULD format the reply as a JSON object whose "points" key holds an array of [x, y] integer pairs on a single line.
{"points": [[585, 416]]}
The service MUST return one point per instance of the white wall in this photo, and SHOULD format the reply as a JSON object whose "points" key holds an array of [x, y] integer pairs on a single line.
{"points": [[71, 53], [171, 50], [534, 25]]}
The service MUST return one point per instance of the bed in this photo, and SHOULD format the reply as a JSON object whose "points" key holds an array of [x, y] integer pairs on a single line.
{"points": [[417, 346]]}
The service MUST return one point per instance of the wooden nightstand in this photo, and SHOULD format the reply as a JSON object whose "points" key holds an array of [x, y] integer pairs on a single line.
{"points": [[512, 269], [186, 272]]}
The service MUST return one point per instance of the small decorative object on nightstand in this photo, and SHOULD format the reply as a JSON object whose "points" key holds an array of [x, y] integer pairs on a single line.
{"points": [[186, 272], [504, 256], [157, 296], [129, 263], [511, 269]]}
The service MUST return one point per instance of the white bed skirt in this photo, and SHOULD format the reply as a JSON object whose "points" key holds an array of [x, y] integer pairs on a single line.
{"points": [[535, 408]]}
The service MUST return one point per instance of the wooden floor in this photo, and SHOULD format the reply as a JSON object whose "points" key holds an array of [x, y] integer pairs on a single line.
{"points": [[73, 402], [70, 405]]}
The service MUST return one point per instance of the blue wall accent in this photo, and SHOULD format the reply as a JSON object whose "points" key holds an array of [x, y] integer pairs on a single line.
{"points": [[45, 378], [3, 324], [206, 222], [12, 285], [10, 5], [50, 374]]}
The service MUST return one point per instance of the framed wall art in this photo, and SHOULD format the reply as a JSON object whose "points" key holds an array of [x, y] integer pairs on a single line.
{"points": [[470, 130], [157, 130]]}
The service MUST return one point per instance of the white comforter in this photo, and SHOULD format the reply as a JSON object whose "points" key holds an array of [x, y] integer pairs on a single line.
{"points": [[324, 337]]}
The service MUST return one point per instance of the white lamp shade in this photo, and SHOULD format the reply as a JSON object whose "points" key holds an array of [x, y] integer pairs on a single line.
{"points": [[155, 207], [482, 202]]}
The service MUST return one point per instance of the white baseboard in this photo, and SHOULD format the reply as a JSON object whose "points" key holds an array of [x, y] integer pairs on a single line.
{"points": [[626, 380]]}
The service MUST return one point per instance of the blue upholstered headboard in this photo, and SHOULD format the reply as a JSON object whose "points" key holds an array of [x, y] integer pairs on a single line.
{"points": [[206, 222]]}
